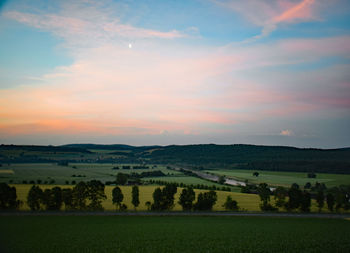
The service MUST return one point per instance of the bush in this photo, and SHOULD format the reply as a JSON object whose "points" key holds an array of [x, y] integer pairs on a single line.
{"points": [[231, 204]]}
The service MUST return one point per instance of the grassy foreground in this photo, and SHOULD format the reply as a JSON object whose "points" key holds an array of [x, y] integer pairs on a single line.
{"points": [[172, 234]]}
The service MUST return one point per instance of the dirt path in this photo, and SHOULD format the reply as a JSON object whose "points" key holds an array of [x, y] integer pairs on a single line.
{"points": [[64, 213]]}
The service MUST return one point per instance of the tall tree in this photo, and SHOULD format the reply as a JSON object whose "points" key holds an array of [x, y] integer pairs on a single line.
{"points": [[96, 194], [305, 202], [280, 196], [205, 201], [52, 198], [8, 197], [117, 197], [320, 199], [157, 199], [264, 194], [67, 198], [295, 197], [164, 198], [135, 196], [186, 198], [34, 198], [330, 201], [80, 195]]}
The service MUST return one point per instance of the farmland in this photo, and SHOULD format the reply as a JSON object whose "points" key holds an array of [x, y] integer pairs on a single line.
{"points": [[276, 178], [172, 234], [56, 174], [51, 173], [249, 202], [71, 165]]}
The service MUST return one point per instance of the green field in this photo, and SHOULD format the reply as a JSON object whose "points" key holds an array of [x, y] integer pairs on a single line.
{"points": [[51, 171], [172, 234], [46, 172], [181, 178], [284, 178]]}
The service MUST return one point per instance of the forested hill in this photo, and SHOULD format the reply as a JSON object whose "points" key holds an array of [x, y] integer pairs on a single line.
{"points": [[254, 157], [204, 156]]}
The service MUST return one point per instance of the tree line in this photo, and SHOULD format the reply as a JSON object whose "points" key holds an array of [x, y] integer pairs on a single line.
{"points": [[294, 198], [194, 186], [88, 196]]}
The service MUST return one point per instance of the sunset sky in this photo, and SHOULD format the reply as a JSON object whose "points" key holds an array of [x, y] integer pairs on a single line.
{"points": [[273, 72]]}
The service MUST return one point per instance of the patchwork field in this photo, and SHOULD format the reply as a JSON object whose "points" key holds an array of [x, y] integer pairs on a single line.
{"points": [[284, 178], [51, 173], [75, 171], [172, 234]]}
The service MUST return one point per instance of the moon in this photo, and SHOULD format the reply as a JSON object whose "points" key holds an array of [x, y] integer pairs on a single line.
{"points": [[130, 46]]}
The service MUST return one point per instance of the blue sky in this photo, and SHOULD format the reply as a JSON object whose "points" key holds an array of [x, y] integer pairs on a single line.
{"points": [[175, 72]]}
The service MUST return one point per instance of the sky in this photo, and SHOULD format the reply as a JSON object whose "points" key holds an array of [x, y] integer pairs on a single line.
{"points": [[269, 72]]}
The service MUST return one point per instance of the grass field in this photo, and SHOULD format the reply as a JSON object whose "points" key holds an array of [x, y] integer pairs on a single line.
{"points": [[284, 178], [51, 171], [172, 234], [46, 172], [181, 178]]}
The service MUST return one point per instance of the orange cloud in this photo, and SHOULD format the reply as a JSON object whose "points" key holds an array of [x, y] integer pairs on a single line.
{"points": [[269, 13], [299, 11]]}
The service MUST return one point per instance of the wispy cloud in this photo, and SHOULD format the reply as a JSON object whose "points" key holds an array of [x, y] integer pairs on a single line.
{"points": [[97, 26], [199, 91], [176, 87], [268, 14]]}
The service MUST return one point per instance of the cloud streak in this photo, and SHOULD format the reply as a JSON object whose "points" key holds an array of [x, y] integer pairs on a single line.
{"points": [[96, 27], [269, 14]]}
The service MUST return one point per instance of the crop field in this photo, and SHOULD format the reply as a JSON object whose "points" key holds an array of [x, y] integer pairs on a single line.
{"points": [[6, 171], [181, 178], [284, 178], [173, 234], [249, 202], [47, 172]]}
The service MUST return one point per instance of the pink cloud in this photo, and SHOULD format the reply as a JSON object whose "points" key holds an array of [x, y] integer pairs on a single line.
{"points": [[301, 10], [114, 90], [286, 132], [269, 13], [76, 29]]}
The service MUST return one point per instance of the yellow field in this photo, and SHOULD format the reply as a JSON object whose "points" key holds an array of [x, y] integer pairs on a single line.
{"points": [[7, 172], [249, 202]]}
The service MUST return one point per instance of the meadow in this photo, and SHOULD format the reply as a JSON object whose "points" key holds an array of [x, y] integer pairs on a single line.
{"points": [[172, 234], [277, 178]]}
